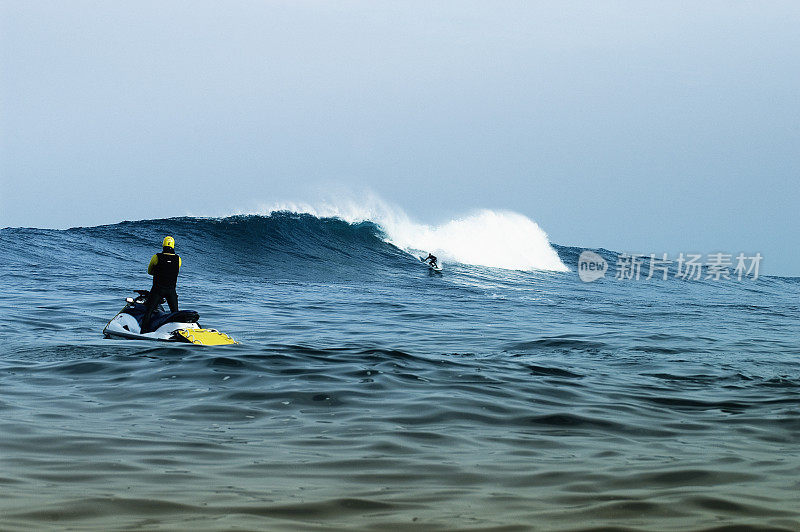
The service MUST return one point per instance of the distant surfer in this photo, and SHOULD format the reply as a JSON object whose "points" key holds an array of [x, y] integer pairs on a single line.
{"points": [[164, 268], [431, 259]]}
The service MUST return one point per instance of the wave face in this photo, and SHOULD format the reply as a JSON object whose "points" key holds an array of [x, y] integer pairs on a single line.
{"points": [[499, 239], [281, 245], [287, 244], [370, 393]]}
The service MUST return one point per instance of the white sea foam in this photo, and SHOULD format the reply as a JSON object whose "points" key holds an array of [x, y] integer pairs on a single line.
{"points": [[500, 239]]}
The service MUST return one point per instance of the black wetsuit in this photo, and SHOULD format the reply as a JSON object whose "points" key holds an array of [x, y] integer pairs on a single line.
{"points": [[432, 259], [164, 268]]}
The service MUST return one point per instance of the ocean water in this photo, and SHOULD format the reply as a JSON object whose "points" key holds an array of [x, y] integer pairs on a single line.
{"points": [[369, 393]]}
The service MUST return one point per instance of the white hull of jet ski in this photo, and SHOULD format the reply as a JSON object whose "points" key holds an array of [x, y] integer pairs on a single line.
{"points": [[125, 326]]}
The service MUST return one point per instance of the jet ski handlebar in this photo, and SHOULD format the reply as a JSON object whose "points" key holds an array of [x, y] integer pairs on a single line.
{"points": [[142, 297]]}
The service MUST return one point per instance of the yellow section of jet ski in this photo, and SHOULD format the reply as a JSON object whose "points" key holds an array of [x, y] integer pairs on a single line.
{"points": [[204, 337]]}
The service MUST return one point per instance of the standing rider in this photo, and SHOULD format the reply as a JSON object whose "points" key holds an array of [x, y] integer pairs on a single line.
{"points": [[432, 260], [164, 268]]}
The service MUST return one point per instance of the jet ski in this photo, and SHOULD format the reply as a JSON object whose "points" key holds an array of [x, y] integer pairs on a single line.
{"points": [[181, 326]]}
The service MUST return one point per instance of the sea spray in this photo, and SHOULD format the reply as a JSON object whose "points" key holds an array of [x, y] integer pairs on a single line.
{"points": [[500, 239]]}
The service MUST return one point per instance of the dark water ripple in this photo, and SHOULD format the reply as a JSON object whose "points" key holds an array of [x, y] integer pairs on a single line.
{"points": [[272, 434]]}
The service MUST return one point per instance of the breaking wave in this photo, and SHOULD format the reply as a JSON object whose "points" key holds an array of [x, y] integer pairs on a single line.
{"points": [[499, 239]]}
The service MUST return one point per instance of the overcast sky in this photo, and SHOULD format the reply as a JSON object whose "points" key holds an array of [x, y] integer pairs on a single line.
{"points": [[635, 126]]}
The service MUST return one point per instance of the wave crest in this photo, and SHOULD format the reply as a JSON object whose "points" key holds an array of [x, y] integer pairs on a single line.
{"points": [[499, 239]]}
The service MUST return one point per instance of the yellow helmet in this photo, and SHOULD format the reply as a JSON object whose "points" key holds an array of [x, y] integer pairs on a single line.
{"points": [[169, 242]]}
